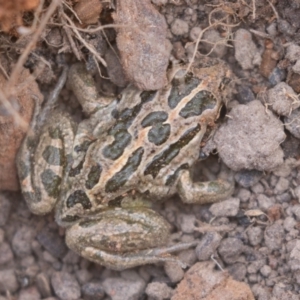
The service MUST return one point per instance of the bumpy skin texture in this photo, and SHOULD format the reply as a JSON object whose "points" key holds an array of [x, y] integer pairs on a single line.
{"points": [[100, 176]]}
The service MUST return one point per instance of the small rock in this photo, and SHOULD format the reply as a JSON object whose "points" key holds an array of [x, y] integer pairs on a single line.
{"points": [[257, 188], [296, 211], [254, 267], [208, 245], [285, 27], [261, 292], [179, 51], [21, 242], [187, 222], [248, 178], [122, 289], [52, 242], [174, 271], [286, 168], [114, 67], [297, 192], [43, 285], [159, 2], [289, 223], [8, 281], [231, 249], [30, 293], [265, 271], [201, 281], [296, 67], [274, 235], [292, 123], [158, 291], [238, 271], [244, 195], [281, 99], [5, 206], [188, 257], [179, 27], [250, 139], [93, 291], [276, 76], [65, 286], [83, 276], [213, 38], [246, 52], [245, 94], [6, 255], [282, 185], [264, 202], [284, 197], [226, 208], [293, 81], [195, 33], [293, 52], [255, 235], [281, 291]]}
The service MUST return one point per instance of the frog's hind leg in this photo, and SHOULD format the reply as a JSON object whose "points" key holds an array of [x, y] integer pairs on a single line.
{"points": [[205, 192], [44, 154], [124, 238]]}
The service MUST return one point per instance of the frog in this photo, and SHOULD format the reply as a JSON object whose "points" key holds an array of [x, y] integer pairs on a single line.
{"points": [[101, 175]]}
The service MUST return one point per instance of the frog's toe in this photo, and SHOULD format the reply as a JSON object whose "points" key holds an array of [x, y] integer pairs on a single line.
{"points": [[204, 192]]}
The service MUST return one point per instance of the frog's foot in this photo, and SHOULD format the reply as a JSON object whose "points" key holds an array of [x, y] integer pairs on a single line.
{"points": [[205, 192], [123, 238]]}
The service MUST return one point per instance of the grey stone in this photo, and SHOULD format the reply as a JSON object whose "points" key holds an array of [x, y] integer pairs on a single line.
{"points": [[158, 291], [8, 281], [230, 250], [274, 235], [21, 242], [52, 242], [265, 270], [281, 99], [255, 235], [174, 271], [226, 208], [246, 52], [250, 139], [5, 207], [264, 202], [248, 178], [30, 293], [282, 185], [289, 223], [238, 271], [179, 27], [208, 245], [65, 286], [293, 52], [93, 291], [122, 289], [6, 255], [244, 195], [43, 285]]}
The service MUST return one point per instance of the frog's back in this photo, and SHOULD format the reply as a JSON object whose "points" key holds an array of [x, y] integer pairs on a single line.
{"points": [[155, 135]]}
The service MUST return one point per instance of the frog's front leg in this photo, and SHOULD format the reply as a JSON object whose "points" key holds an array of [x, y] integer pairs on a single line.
{"points": [[43, 161], [205, 192], [122, 238]]}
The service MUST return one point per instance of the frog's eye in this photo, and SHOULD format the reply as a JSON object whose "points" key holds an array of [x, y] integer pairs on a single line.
{"points": [[224, 83]]}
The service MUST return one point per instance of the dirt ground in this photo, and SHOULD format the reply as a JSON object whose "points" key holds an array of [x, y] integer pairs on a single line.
{"points": [[248, 245]]}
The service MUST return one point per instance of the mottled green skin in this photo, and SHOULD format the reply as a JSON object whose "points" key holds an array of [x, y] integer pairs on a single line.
{"points": [[101, 174]]}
